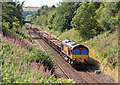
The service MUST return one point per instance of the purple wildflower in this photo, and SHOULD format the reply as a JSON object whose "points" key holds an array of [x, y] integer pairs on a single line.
{"points": [[20, 61], [35, 69], [21, 55], [13, 40], [28, 62], [35, 65], [11, 52], [32, 80], [19, 46], [14, 52], [103, 42], [30, 70]]}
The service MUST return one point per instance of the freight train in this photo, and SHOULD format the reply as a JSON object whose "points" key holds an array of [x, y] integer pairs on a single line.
{"points": [[75, 54]]}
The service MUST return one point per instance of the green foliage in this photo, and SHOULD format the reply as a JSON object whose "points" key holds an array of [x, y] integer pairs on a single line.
{"points": [[57, 18], [11, 16], [12, 10], [44, 9], [50, 20], [5, 26], [28, 18], [99, 10], [64, 17], [12, 20], [41, 56], [85, 22], [41, 12], [108, 20], [45, 20], [71, 34], [118, 16], [90, 19]]}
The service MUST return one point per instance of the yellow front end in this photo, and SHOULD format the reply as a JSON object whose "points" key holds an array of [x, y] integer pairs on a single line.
{"points": [[80, 58]]}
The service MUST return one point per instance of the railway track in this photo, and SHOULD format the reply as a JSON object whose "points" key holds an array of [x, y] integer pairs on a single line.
{"points": [[69, 72], [42, 45]]}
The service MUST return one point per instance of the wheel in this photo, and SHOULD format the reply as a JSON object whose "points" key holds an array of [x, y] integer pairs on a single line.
{"points": [[69, 61]]}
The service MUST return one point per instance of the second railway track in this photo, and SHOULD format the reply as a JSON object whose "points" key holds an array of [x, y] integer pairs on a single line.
{"points": [[69, 72]]}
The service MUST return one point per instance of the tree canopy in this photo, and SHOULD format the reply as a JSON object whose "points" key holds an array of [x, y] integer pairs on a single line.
{"points": [[85, 22], [108, 20], [89, 18], [11, 15]]}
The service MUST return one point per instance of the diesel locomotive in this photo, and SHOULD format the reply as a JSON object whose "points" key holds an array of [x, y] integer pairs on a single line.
{"points": [[75, 54]]}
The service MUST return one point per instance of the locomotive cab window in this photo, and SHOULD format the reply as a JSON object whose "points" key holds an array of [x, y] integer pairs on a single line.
{"points": [[84, 52], [76, 51]]}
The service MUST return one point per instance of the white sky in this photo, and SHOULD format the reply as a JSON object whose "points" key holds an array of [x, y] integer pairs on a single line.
{"points": [[39, 3]]}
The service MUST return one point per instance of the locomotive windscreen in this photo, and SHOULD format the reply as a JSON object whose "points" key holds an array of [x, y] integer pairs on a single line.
{"points": [[76, 51], [84, 52]]}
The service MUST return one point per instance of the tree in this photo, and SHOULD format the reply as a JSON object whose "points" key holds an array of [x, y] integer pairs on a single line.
{"points": [[11, 16], [64, 15], [11, 10], [50, 20], [107, 19], [85, 22]]}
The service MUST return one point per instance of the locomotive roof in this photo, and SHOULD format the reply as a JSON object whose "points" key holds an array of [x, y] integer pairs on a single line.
{"points": [[70, 43]]}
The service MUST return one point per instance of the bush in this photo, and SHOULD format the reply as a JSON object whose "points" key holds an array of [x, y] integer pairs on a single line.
{"points": [[41, 56]]}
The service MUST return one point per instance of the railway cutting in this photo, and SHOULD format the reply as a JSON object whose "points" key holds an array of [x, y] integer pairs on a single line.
{"points": [[66, 69]]}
